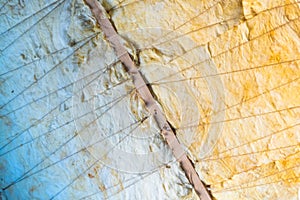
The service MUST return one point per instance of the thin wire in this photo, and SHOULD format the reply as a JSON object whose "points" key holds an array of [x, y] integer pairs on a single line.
{"points": [[239, 187], [226, 73], [27, 30], [226, 51], [25, 175], [207, 26], [94, 163], [4, 5], [33, 124], [30, 16]]}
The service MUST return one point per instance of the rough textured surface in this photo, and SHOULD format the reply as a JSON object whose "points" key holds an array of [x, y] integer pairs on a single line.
{"points": [[226, 74], [148, 99]]}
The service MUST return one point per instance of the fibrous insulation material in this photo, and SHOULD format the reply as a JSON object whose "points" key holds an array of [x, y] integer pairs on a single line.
{"points": [[226, 74]]}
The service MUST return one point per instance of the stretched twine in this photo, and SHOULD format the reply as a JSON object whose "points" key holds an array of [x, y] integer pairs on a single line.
{"points": [[153, 107]]}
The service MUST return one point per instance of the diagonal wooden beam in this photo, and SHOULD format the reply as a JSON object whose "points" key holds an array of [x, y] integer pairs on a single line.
{"points": [[153, 107]]}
